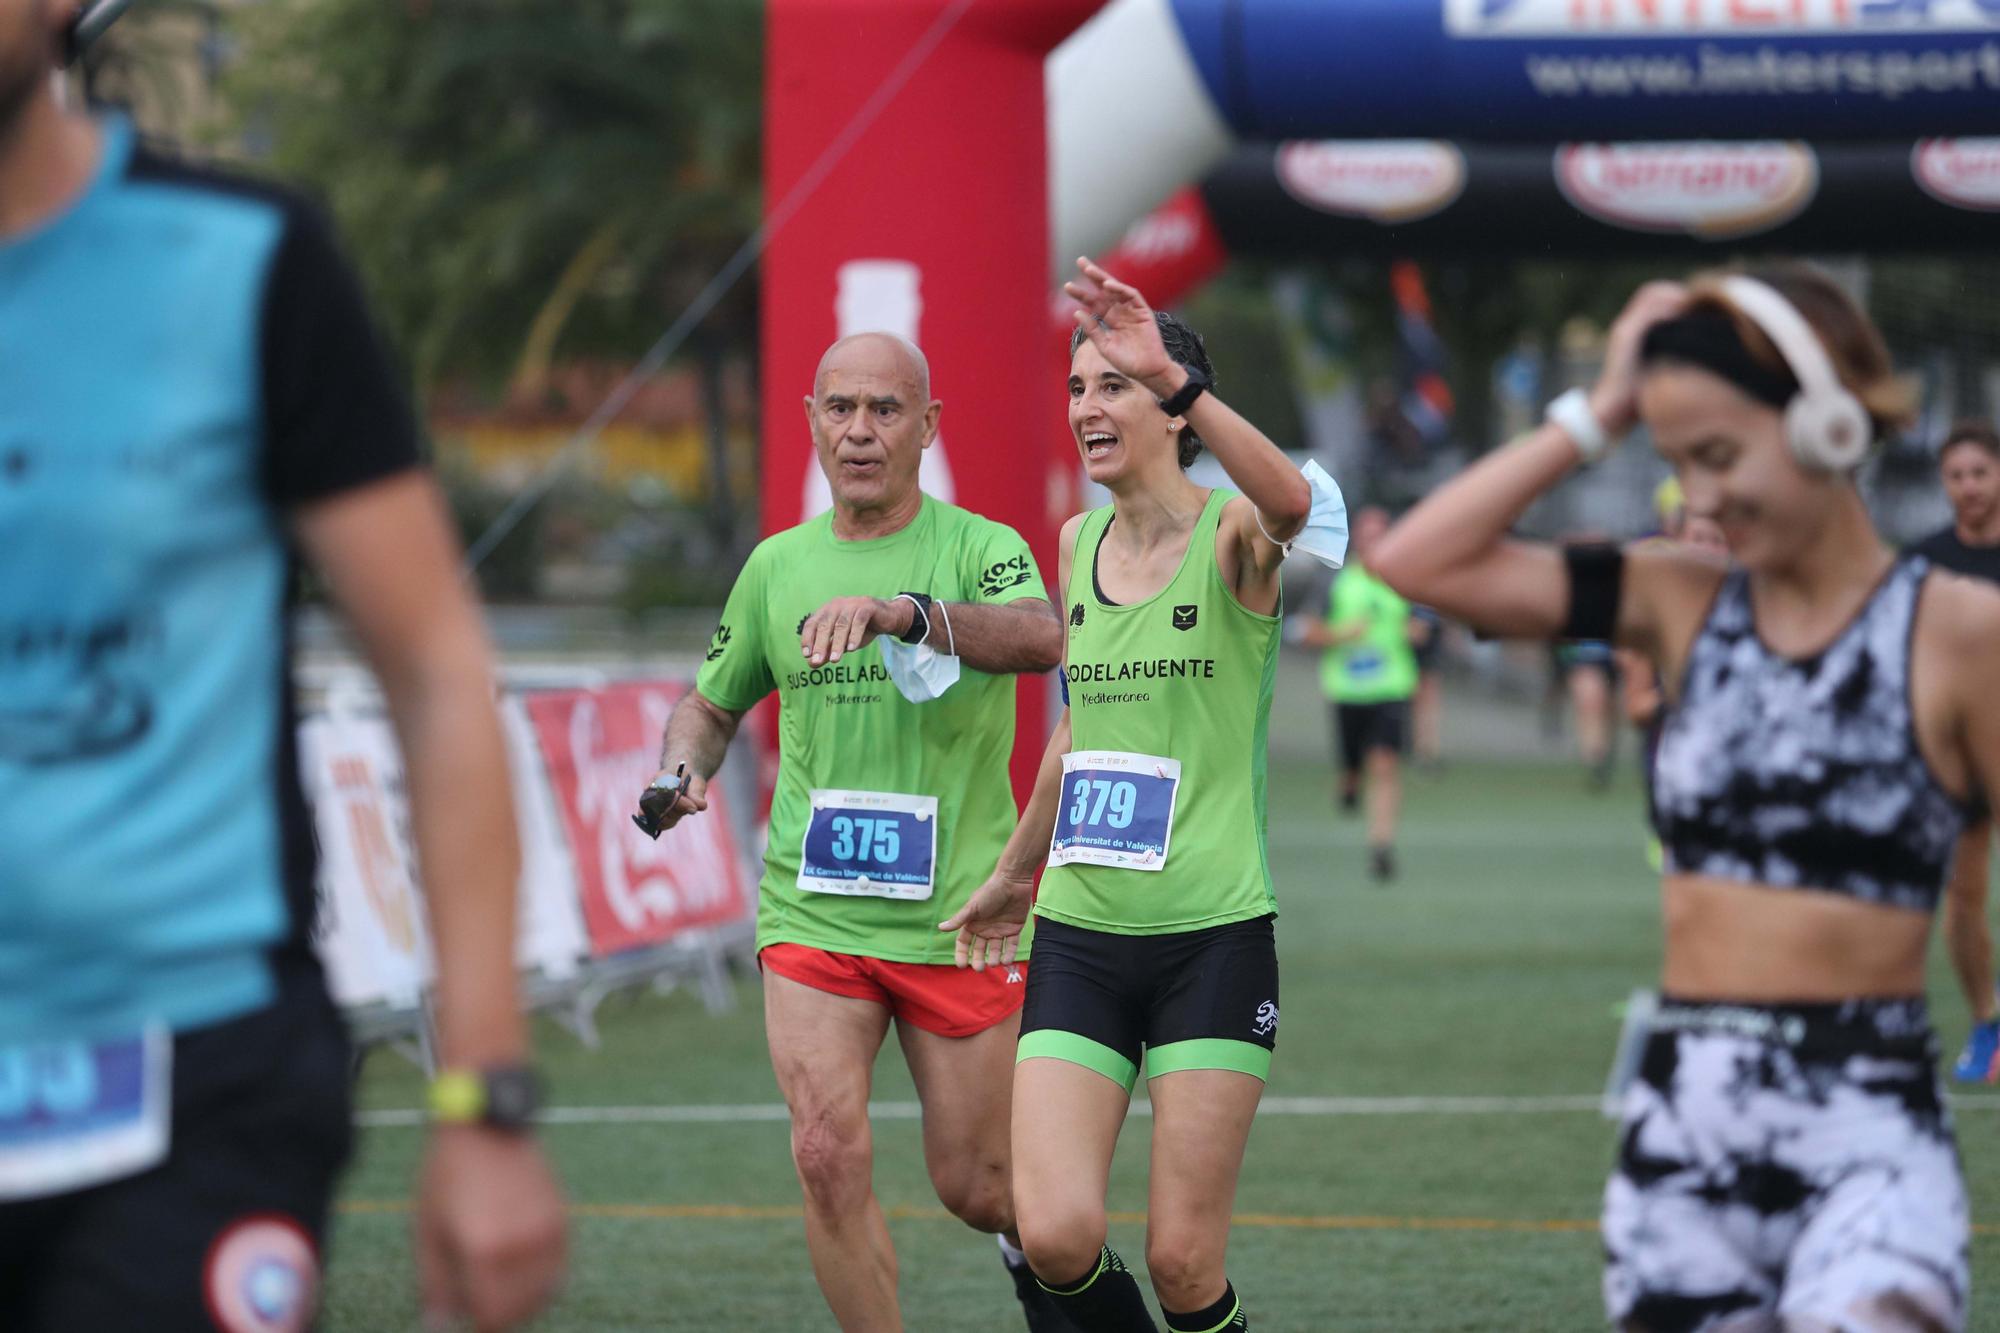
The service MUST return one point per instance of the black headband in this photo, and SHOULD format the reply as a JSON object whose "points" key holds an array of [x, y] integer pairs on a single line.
{"points": [[1708, 338]]}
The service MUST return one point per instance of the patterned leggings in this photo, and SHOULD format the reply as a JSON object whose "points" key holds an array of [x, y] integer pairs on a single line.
{"points": [[1787, 1168]]}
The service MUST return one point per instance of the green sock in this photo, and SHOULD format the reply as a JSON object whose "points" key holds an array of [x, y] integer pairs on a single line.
{"points": [[1104, 1300], [1225, 1316]]}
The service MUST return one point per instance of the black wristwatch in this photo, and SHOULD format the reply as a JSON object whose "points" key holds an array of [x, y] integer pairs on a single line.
{"points": [[505, 1097], [920, 623], [1197, 384]]}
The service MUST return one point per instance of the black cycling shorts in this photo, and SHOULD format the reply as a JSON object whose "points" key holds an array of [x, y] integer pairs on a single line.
{"points": [[1359, 728], [1198, 999], [227, 1233]]}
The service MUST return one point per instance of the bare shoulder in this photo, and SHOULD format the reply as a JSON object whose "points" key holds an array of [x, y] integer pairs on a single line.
{"points": [[1066, 542], [1673, 577], [1671, 586], [1673, 570], [1239, 516], [1961, 615]]}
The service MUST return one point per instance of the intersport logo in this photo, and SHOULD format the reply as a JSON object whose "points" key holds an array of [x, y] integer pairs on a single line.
{"points": [[1713, 18], [1964, 173], [1711, 190], [1388, 180]]}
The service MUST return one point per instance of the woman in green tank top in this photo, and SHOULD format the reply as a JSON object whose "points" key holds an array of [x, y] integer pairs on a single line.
{"points": [[1154, 934]]}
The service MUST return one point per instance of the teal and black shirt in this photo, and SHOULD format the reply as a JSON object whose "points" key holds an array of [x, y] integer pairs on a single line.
{"points": [[183, 359]]}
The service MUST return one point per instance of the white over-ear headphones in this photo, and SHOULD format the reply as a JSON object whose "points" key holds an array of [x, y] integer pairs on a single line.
{"points": [[1826, 425]]}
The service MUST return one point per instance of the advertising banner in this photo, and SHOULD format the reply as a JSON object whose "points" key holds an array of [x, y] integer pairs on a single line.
{"points": [[599, 749], [370, 928], [1627, 69], [1427, 198], [371, 925], [551, 938]]}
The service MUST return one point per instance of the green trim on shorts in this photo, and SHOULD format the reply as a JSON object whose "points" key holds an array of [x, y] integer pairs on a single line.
{"points": [[1243, 1057], [1055, 1044]]}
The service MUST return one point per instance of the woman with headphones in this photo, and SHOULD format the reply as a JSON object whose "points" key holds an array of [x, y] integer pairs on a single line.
{"points": [[1786, 1153]]}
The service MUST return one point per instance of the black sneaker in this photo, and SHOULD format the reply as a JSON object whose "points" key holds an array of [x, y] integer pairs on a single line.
{"points": [[1036, 1304], [1350, 801], [1382, 864]]}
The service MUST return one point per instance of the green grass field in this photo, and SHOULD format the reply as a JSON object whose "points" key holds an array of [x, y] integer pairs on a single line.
{"points": [[1494, 968]]}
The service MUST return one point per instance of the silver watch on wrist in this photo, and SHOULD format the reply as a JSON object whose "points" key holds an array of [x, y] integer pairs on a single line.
{"points": [[1571, 414]]}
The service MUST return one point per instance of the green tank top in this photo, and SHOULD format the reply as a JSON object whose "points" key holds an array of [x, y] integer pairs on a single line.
{"points": [[1160, 823], [1380, 666]]}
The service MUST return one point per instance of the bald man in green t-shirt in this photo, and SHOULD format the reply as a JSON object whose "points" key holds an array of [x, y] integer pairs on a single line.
{"points": [[892, 804], [1369, 672]]}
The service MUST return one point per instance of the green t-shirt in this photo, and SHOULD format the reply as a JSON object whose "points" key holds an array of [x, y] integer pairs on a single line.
{"points": [[1381, 666], [1160, 824], [844, 727]]}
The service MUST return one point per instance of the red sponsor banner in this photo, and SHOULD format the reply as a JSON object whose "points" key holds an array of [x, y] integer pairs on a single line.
{"points": [[1964, 173], [1168, 255], [1390, 181], [599, 747], [1710, 190]]}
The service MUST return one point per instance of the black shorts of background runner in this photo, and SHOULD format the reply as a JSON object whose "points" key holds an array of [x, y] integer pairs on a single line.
{"points": [[1427, 651], [1359, 728], [261, 1127], [1128, 994]]}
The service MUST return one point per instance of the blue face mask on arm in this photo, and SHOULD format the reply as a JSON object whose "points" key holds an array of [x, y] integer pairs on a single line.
{"points": [[1324, 537], [919, 671]]}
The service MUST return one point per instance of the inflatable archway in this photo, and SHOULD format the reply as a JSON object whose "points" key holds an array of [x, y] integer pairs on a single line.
{"points": [[922, 127]]}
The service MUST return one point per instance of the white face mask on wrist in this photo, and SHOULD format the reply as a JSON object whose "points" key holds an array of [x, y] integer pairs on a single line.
{"points": [[922, 673], [1324, 537]]}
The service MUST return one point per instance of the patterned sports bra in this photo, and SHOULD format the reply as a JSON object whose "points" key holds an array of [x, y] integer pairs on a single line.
{"points": [[1806, 773]]}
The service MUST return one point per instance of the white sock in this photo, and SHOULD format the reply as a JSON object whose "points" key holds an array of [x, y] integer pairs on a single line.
{"points": [[1011, 1253]]}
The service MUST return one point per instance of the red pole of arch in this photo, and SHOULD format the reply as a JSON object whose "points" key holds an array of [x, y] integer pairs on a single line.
{"points": [[934, 224]]}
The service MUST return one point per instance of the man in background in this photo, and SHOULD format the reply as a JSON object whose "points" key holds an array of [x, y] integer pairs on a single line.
{"points": [[1969, 466]]}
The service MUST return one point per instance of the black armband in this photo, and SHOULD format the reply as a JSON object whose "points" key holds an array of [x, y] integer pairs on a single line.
{"points": [[1596, 578]]}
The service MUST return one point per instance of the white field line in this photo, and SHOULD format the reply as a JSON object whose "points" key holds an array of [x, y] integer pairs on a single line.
{"points": [[770, 1112]]}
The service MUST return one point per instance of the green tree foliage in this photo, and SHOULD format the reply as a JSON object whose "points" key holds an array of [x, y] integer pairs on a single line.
{"points": [[519, 180]]}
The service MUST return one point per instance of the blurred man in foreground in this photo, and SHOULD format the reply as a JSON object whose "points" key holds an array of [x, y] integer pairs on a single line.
{"points": [[190, 394]]}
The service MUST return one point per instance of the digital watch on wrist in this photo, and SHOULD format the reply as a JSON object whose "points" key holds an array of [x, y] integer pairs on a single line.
{"points": [[920, 623], [1197, 385], [505, 1097]]}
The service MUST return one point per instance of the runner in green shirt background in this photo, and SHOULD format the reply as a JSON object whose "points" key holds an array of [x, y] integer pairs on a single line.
{"points": [[1369, 672], [889, 629]]}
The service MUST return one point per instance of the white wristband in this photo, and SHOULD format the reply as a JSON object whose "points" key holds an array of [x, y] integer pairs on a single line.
{"points": [[1571, 414]]}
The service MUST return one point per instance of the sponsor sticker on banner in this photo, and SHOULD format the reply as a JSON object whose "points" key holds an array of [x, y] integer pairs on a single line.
{"points": [[1964, 173], [1714, 18], [1388, 181], [1711, 190], [600, 749]]}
